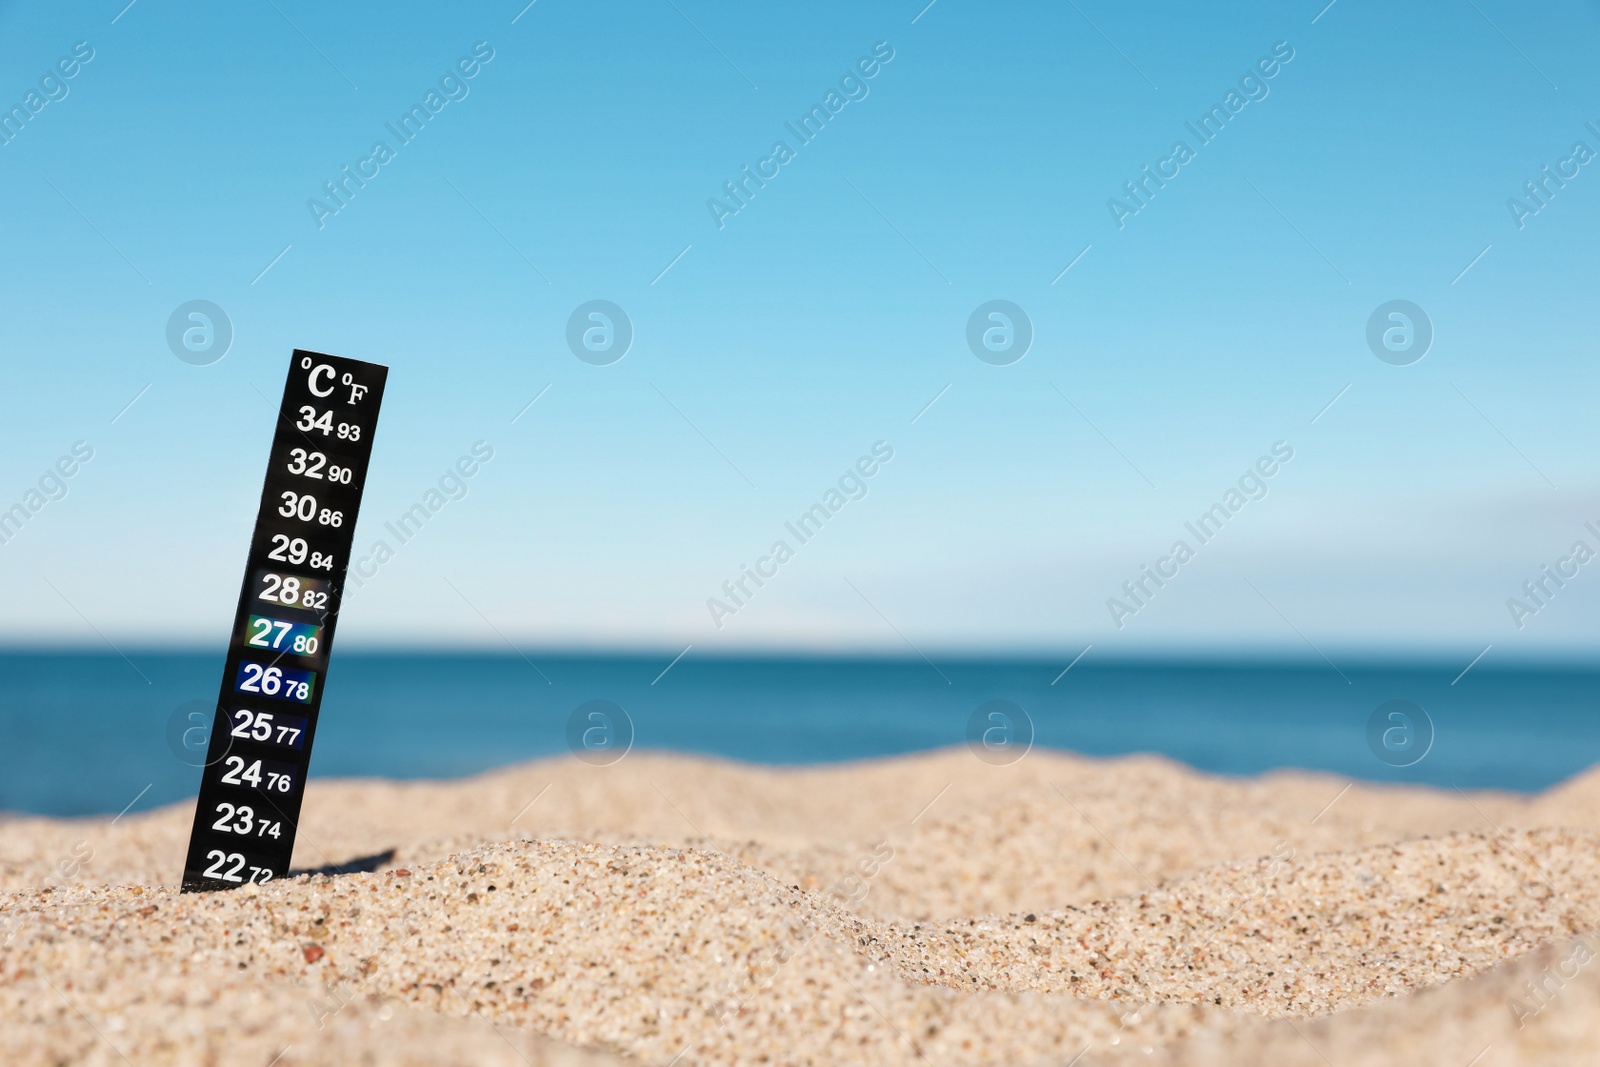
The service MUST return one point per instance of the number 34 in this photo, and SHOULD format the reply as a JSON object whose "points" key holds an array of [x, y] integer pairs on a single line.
{"points": [[311, 420]]}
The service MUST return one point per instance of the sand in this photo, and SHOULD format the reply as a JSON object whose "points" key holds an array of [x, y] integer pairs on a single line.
{"points": [[925, 910]]}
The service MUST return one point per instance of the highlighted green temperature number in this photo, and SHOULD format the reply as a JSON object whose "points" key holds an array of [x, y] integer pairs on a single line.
{"points": [[303, 639]]}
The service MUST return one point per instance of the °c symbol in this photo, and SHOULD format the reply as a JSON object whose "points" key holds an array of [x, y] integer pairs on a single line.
{"points": [[320, 369]]}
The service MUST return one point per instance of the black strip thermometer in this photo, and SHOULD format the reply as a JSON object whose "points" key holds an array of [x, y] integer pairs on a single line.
{"points": [[266, 719]]}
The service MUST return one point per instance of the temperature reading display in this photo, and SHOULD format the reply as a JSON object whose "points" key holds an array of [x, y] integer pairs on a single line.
{"points": [[233, 868], [241, 819], [293, 591], [298, 637], [297, 550], [269, 727], [265, 775], [320, 466], [311, 420], [284, 683], [266, 717]]}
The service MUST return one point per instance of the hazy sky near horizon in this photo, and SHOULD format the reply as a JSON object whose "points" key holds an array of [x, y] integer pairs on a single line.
{"points": [[1174, 346]]}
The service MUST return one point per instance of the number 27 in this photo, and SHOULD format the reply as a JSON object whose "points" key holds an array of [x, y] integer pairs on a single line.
{"points": [[261, 638]]}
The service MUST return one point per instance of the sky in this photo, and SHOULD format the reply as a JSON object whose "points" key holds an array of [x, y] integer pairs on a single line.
{"points": [[1182, 339]]}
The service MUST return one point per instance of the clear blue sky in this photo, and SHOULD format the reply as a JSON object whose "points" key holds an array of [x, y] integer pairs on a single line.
{"points": [[177, 164]]}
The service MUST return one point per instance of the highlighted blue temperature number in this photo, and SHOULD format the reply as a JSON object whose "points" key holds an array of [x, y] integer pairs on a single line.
{"points": [[280, 683]]}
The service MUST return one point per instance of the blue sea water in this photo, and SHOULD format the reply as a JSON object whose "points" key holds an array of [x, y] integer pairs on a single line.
{"points": [[81, 734]]}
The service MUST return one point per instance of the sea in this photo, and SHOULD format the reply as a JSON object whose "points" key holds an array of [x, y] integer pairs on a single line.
{"points": [[84, 734]]}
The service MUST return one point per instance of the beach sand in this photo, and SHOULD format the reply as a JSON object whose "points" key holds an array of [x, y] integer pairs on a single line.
{"points": [[927, 909]]}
